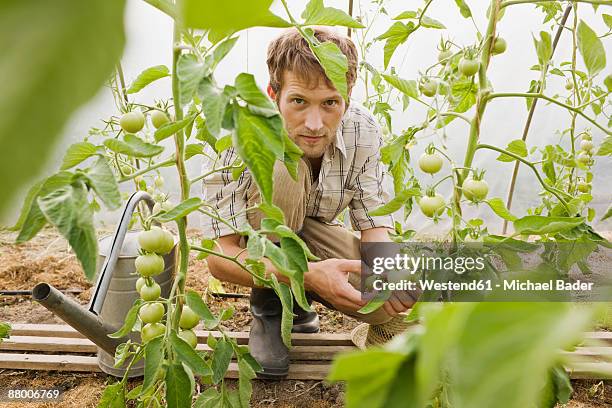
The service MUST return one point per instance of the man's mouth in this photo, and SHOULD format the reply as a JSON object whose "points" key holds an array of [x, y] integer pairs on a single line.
{"points": [[311, 139]]}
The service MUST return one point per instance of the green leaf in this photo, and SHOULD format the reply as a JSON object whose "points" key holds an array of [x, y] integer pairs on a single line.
{"points": [[213, 105], [101, 178], [499, 208], [171, 128], [222, 355], [284, 294], [396, 35], [178, 387], [543, 47], [186, 207], [77, 153], [332, 60], [229, 16], [129, 321], [298, 262], [407, 87], [273, 212], [463, 8], [608, 214], [245, 375], [154, 359], [223, 49], [607, 18], [257, 141], [406, 15], [31, 219], [5, 331], [69, 211], [209, 398], [193, 149], [113, 396], [189, 356], [54, 59], [259, 103], [540, 225], [591, 49], [606, 147], [195, 302], [148, 76], [190, 71], [517, 147], [431, 23], [133, 146], [376, 302], [316, 13], [396, 203]]}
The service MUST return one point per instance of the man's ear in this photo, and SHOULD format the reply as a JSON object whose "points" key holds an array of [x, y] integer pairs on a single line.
{"points": [[271, 92]]}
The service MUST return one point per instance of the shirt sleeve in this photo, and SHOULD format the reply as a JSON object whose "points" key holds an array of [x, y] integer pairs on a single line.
{"points": [[226, 197], [370, 187]]}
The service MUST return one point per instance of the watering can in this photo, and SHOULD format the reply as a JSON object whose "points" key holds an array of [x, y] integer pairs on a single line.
{"points": [[114, 292]]}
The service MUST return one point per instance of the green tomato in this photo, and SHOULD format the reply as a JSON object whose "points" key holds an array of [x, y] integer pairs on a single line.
{"points": [[189, 318], [431, 206], [152, 330], [429, 87], [127, 170], [586, 145], [150, 293], [156, 240], [499, 46], [444, 56], [149, 264], [151, 312], [190, 337], [132, 122], [159, 118], [430, 163], [140, 283], [583, 187], [468, 67], [475, 190]]}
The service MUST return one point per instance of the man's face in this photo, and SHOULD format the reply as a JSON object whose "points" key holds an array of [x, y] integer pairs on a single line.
{"points": [[312, 114]]}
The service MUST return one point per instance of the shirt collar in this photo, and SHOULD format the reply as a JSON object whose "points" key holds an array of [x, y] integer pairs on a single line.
{"points": [[339, 142]]}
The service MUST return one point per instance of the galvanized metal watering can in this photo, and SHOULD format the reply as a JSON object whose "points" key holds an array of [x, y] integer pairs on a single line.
{"points": [[114, 292]]}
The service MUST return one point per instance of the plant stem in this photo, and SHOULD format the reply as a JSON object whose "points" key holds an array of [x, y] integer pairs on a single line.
{"points": [[531, 112], [530, 165], [148, 169], [552, 100], [515, 2], [202, 176]]}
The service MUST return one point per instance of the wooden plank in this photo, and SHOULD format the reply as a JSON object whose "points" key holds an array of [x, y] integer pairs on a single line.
{"points": [[582, 370], [600, 336], [298, 339], [85, 346], [49, 362]]}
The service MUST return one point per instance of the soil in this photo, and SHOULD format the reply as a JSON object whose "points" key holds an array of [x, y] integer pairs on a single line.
{"points": [[48, 258]]}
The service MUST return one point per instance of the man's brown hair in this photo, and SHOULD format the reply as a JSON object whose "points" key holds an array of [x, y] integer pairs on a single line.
{"points": [[290, 52]]}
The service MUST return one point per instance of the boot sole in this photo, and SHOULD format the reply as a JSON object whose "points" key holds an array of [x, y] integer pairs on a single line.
{"points": [[273, 373]]}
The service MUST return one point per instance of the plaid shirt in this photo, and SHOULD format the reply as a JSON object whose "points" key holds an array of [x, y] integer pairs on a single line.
{"points": [[351, 176]]}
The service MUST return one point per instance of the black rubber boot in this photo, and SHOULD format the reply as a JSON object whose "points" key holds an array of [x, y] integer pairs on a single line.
{"points": [[305, 322], [265, 342]]}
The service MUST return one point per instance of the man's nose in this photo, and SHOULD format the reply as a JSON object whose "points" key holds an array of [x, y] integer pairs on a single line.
{"points": [[314, 120]]}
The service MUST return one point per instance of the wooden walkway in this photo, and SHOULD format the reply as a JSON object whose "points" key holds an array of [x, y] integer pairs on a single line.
{"points": [[61, 348]]}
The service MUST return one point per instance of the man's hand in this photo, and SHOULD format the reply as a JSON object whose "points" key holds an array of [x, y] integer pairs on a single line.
{"points": [[330, 280]]}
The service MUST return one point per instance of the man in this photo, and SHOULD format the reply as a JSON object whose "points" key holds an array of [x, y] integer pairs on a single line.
{"points": [[340, 168]]}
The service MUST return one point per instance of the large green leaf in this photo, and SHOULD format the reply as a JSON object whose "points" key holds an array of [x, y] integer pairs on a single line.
{"points": [[333, 61], [54, 59], [396, 35], [499, 208], [148, 76], [257, 142], [171, 128], [245, 388], [5, 331], [506, 351], [113, 396], [464, 8], [189, 356], [221, 358], [183, 209], [70, 212], [396, 203], [132, 145], [178, 387], [228, 16], [259, 103], [190, 71], [316, 13], [606, 147], [103, 182], [154, 359], [407, 87], [213, 105], [77, 153], [517, 147], [591, 48], [284, 294], [539, 224], [543, 47]]}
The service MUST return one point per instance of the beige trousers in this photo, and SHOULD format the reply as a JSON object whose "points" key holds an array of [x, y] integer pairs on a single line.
{"points": [[325, 240]]}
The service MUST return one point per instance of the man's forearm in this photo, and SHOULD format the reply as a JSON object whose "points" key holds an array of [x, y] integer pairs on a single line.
{"points": [[377, 234]]}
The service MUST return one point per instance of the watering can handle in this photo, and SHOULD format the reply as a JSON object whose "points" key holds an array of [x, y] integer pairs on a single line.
{"points": [[106, 272]]}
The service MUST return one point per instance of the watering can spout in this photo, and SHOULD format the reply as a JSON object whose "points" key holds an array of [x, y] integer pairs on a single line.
{"points": [[84, 321]]}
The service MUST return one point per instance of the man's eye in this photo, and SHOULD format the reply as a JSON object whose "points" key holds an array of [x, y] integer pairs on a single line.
{"points": [[299, 101], [331, 102]]}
